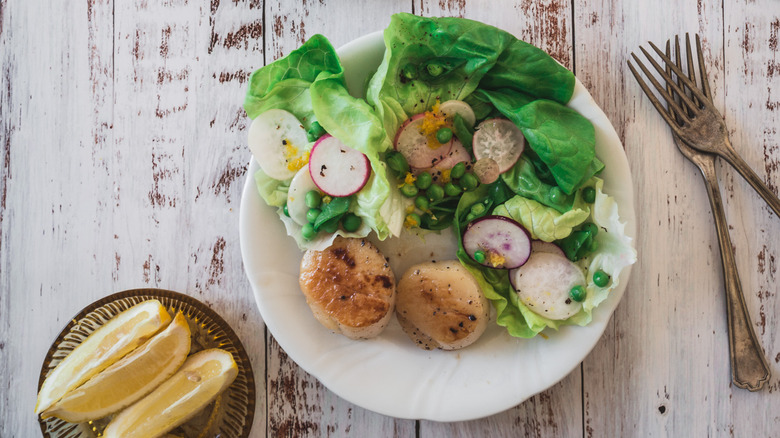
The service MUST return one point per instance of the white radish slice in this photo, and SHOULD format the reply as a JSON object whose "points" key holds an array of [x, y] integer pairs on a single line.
{"points": [[415, 146], [337, 169], [278, 142], [300, 185], [451, 107], [504, 243], [501, 140], [543, 284], [457, 154], [542, 246]]}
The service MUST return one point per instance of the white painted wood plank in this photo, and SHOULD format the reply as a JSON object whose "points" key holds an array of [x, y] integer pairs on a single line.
{"points": [[664, 358], [298, 404], [557, 411]]}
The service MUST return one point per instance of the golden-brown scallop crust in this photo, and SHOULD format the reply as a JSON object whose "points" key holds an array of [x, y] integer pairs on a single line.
{"points": [[440, 305], [350, 287]]}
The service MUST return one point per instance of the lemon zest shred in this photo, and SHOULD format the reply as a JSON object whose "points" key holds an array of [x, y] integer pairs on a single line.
{"points": [[445, 175], [495, 259], [409, 222], [298, 163]]}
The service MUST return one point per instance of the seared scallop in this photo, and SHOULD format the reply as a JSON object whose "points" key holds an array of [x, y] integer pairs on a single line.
{"points": [[349, 287], [440, 305]]}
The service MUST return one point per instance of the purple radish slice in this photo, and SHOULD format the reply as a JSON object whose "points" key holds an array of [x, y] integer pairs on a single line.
{"points": [[420, 150], [544, 282], [278, 142], [504, 243], [501, 140], [457, 154], [549, 247], [300, 185], [337, 169], [451, 107]]}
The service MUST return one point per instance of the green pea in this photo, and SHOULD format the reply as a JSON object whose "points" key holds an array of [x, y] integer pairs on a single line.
{"points": [[409, 71], [409, 190], [589, 195], [591, 228], [331, 226], [285, 211], [600, 278], [313, 199], [413, 220], [312, 214], [451, 189], [435, 69], [478, 209], [435, 193], [316, 130], [351, 222], [577, 293], [423, 181], [479, 256], [422, 203], [458, 170], [468, 181], [555, 195], [444, 135], [397, 163], [308, 231]]}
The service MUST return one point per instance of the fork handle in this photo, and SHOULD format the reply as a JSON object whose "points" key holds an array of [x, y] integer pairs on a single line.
{"points": [[731, 156], [749, 369]]}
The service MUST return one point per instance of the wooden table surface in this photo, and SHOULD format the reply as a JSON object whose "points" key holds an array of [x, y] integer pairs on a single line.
{"points": [[123, 156]]}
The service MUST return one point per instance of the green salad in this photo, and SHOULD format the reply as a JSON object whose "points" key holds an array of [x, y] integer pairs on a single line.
{"points": [[463, 127]]}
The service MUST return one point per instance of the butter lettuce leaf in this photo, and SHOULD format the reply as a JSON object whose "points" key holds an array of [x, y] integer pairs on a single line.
{"points": [[544, 223], [285, 83]]}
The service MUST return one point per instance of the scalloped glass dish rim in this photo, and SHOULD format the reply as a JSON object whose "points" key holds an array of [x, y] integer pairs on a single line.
{"points": [[389, 374]]}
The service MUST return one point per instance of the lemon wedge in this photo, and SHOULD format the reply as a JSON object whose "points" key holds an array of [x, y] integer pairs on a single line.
{"points": [[200, 380], [106, 345], [126, 381]]}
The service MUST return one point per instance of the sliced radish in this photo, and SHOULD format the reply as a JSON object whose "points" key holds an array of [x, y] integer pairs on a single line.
{"points": [[278, 142], [504, 243], [486, 169], [457, 154], [451, 107], [300, 185], [549, 247], [501, 140], [544, 282], [416, 145], [337, 169]]}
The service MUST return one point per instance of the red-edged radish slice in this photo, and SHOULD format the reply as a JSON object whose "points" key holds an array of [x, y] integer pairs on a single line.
{"points": [[278, 142], [504, 243], [337, 169], [300, 185], [420, 149], [451, 107], [457, 154], [549, 247], [544, 282], [501, 140]]}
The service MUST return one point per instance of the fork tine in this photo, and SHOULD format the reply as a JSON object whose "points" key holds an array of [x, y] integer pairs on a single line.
{"points": [[669, 99], [705, 83], [694, 90], [691, 106], [669, 72], [656, 103]]}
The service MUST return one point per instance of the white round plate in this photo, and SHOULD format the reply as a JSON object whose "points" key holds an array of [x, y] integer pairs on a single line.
{"points": [[389, 374]]}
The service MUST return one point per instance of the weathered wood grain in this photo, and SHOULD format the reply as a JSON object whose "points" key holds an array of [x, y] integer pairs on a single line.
{"points": [[299, 406], [665, 356], [557, 411], [124, 164]]}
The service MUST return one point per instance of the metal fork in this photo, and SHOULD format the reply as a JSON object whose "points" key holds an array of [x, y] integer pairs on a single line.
{"points": [[687, 115], [699, 123]]}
